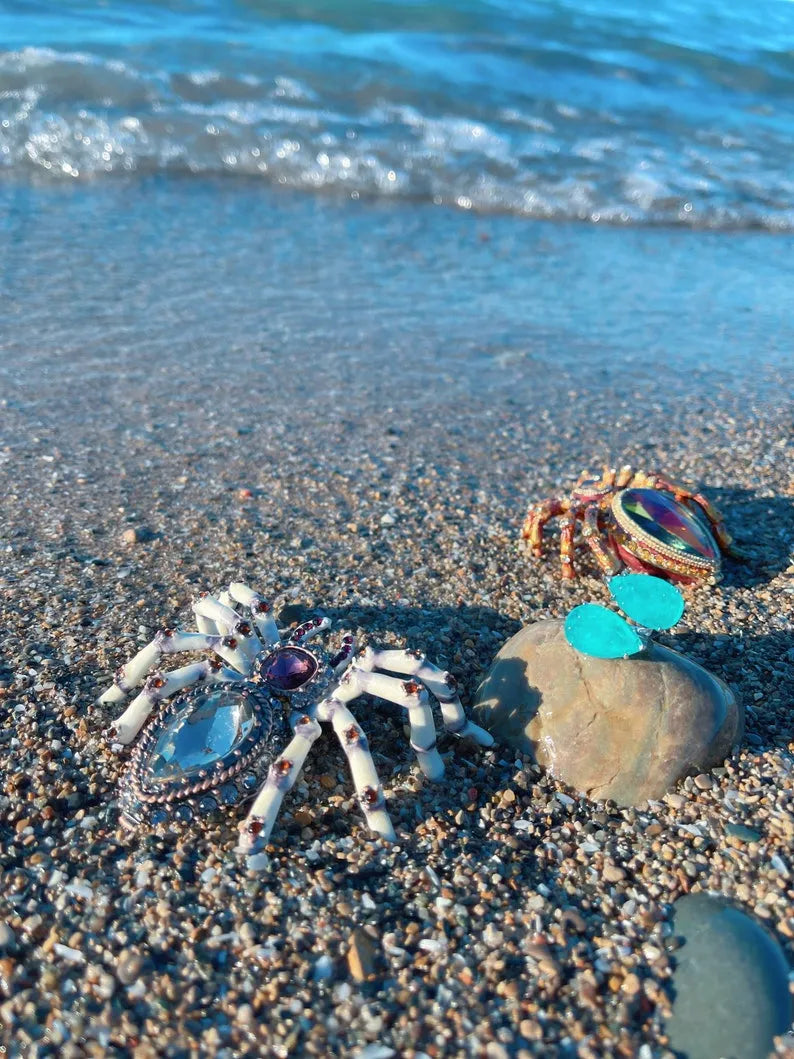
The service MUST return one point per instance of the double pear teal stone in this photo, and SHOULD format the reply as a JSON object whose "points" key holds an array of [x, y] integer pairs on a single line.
{"points": [[595, 630], [648, 600]]}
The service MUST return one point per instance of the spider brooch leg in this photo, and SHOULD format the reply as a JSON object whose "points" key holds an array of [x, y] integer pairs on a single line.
{"points": [[442, 685], [231, 638], [162, 685], [261, 612], [255, 830]]}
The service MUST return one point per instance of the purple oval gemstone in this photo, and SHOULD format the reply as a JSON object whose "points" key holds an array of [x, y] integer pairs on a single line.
{"points": [[288, 668], [670, 522]]}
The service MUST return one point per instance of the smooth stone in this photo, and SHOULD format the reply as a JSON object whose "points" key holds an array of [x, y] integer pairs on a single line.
{"points": [[648, 600], [742, 833], [626, 728], [730, 983], [8, 938]]}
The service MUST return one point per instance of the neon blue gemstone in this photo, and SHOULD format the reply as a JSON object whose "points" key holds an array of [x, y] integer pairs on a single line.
{"points": [[648, 600], [595, 630]]}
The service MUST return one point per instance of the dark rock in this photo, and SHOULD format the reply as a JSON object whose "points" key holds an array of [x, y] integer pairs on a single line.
{"points": [[730, 984]]}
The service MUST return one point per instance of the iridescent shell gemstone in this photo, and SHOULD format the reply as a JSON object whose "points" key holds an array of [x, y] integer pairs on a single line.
{"points": [[662, 531], [288, 668]]}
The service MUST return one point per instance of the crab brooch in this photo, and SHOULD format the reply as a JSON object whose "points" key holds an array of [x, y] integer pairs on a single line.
{"points": [[642, 521], [240, 723]]}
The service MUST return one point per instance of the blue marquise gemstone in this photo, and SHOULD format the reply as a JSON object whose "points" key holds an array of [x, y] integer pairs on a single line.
{"points": [[212, 723]]}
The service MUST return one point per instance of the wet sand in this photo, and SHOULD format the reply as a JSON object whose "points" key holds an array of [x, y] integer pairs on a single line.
{"points": [[353, 405]]}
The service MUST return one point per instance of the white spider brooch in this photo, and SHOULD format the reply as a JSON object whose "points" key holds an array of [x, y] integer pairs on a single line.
{"points": [[218, 743]]}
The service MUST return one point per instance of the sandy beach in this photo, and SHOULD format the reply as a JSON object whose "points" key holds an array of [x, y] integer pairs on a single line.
{"points": [[210, 387]]}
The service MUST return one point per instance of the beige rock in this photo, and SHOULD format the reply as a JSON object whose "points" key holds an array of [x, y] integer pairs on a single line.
{"points": [[361, 955], [625, 729]]}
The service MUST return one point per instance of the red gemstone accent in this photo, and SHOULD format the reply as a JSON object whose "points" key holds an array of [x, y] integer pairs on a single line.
{"points": [[351, 734], [262, 607], [411, 687], [254, 827], [229, 641], [243, 628]]}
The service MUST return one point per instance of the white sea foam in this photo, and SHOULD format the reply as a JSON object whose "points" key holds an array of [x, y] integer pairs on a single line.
{"points": [[678, 120]]}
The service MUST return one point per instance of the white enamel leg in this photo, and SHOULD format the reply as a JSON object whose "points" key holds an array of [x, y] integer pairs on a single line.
{"points": [[224, 617], [165, 642], [256, 829], [362, 767], [412, 696], [240, 650], [260, 609], [162, 686], [249, 643], [441, 684], [226, 600], [206, 625]]}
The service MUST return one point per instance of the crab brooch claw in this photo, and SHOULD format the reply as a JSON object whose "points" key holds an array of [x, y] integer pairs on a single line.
{"points": [[240, 723], [642, 521]]}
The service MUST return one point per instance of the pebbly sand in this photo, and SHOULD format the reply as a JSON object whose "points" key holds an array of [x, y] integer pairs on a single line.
{"points": [[360, 422]]}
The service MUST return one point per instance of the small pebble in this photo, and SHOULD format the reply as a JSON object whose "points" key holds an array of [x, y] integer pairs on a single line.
{"points": [[613, 874], [361, 955], [128, 967]]}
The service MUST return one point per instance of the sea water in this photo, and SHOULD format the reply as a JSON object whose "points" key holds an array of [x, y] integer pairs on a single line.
{"points": [[519, 202], [607, 111]]}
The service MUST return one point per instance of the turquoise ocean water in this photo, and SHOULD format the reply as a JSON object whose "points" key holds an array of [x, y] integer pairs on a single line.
{"points": [[462, 198], [679, 111]]}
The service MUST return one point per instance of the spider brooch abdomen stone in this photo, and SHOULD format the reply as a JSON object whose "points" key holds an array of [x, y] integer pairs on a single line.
{"points": [[645, 522], [219, 725]]}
